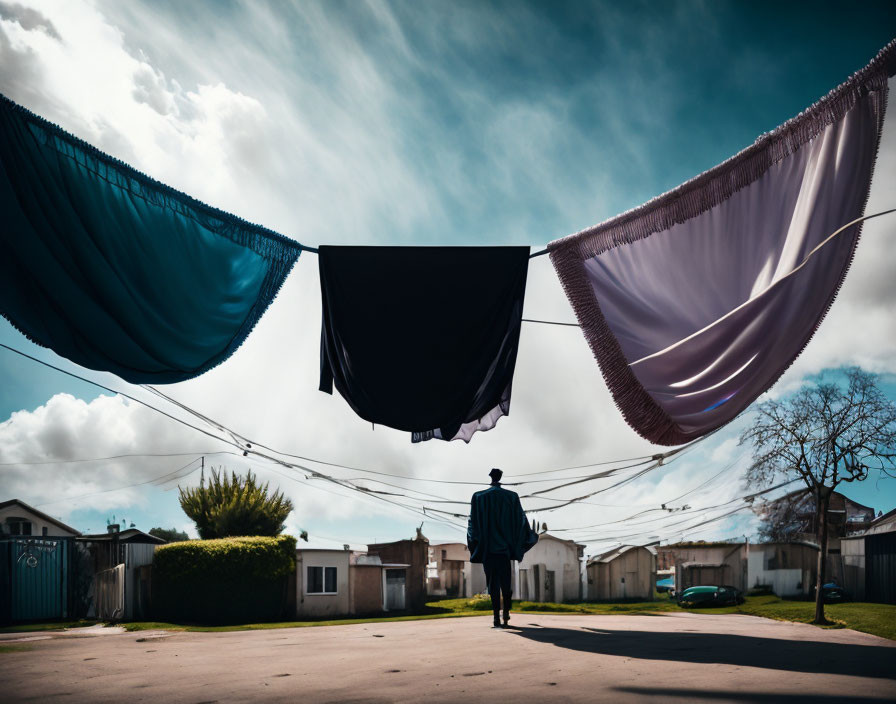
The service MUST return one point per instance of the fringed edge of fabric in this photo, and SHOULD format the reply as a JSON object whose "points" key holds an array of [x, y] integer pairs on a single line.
{"points": [[261, 240], [709, 189], [274, 279], [280, 252], [687, 201]]}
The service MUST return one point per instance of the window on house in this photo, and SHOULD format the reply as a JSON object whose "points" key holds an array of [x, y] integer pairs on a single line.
{"points": [[18, 526], [444, 554], [44, 531], [321, 580]]}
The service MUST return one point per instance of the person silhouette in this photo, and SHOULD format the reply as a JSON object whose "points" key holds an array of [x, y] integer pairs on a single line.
{"points": [[497, 533]]}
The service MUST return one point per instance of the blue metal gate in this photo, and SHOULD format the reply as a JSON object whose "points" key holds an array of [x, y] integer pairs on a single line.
{"points": [[35, 575]]}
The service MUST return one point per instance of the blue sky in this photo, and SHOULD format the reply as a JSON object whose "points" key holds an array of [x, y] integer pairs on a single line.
{"points": [[418, 123]]}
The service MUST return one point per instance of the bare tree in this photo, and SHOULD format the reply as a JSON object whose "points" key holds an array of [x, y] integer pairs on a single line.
{"points": [[784, 519], [824, 434]]}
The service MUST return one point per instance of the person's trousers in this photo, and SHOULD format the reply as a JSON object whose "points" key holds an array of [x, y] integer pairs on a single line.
{"points": [[497, 579]]}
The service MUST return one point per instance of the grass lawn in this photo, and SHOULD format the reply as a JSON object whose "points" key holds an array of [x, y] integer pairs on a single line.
{"points": [[877, 619], [47, 626]]}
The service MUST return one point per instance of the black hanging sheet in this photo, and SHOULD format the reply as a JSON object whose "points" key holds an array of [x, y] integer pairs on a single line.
{"points": [[422, 339]]}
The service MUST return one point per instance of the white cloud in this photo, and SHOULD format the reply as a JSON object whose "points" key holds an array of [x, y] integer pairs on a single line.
{"points": [[67, 431], [332, 151]]}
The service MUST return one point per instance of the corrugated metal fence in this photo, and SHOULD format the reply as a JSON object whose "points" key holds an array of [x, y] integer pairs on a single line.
{"points": [[34, 578], [880, 568]]}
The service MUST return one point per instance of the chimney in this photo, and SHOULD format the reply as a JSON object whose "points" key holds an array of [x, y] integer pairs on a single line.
{"points": [[113, 528]]}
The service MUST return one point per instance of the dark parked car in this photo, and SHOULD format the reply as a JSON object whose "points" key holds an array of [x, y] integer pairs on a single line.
{"points": [[710, 596]]}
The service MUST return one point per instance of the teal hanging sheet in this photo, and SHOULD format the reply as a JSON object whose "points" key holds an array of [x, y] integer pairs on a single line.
{"points": [[118, 272]]}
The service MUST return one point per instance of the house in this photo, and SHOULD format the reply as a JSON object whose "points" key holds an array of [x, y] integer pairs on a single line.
{"points": [[18, 518], [880, 560], [322, 583], [38, 557], [626, 572], [120, 561], [701, 562], [450, 574], [339, 583], [787, 568], [797, 513], [551, 571], [869, 562], [414, 554]]}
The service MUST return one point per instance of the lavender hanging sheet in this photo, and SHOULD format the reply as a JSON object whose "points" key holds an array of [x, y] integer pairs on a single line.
{"points": [[696, 302]]}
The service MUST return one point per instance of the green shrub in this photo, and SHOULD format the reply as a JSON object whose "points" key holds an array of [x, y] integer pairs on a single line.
{"points": [[230, 580], [479, 602]]}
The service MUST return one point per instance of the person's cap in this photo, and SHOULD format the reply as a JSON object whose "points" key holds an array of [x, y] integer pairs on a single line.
{"points": [[496, 474]]}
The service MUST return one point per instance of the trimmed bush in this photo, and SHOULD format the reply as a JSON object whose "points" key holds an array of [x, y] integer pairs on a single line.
{"points": [[229, 580]]}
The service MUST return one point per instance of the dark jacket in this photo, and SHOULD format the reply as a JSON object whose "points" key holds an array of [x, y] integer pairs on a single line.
{"points": [[498, 525]]}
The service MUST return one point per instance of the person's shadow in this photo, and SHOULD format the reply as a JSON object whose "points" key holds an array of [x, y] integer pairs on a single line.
{"points": [[730, 649]]}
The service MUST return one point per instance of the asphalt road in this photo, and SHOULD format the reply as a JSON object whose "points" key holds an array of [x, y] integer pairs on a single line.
{"points": [[669, 658]]}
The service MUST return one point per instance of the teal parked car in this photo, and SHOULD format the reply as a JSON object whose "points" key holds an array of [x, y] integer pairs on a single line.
{"points": [[710, 596]]}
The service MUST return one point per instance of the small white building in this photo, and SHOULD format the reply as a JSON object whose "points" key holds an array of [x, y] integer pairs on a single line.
{"points": [[551, 571], [339, 583], [322, 583]]}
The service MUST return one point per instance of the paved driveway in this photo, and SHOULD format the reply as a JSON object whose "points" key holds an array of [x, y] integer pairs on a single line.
{"points": [[679, 657]]}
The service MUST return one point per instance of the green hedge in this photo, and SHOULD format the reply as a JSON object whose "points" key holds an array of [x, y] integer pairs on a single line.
{"points": [[230, 580]]}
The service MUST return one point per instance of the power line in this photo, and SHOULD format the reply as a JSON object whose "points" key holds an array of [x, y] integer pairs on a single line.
{"points": [[638, 535], [179, 420], [113, 391], [654, 507], [249, 443], [154, 480], [167, 415], [115, 457], [747, 499], [241, 443], [367, 493]]}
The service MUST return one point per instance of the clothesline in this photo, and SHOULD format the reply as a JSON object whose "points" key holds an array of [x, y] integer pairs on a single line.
{"points": [[250, 446], [315, 250], [424, 509]]}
